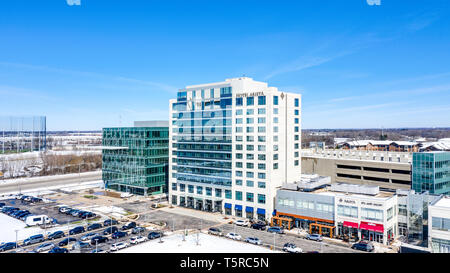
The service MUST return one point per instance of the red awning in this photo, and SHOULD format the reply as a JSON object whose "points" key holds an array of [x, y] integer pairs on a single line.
{"points": [[372, 227], [350, 224]]}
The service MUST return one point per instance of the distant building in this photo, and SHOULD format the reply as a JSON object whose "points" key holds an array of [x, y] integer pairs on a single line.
{"points": [[380, 145], [317, 145], [440, 145], [439, 219], [431, 172], [23, 134], [135, 159]]}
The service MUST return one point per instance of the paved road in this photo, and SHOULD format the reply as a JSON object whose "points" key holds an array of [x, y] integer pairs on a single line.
{"points": [[281, 239], [47, 181]]}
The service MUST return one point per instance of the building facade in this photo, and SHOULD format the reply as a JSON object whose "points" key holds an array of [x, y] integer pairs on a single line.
{"points": [[431, 172], [135, 159], [232, 144], [439, 233]]}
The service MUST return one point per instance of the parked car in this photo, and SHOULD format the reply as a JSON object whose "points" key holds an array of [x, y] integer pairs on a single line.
{"points": [[115, 247], [63, 209], [259, 225], [234, 236], [2, 204], [34, 239], [58, 250], [78, 213], [99, 250], [94, 226], [67, 241], [56, 235], [35, 220], [129, 225], [137, 239], [314, 237], [74, 212], [119, 234], [154, 235], [88, 237], [18, 196], [215, 231], [110, 222], [36, 199], [242, 223], [24, 216], [99, 239], [76, 230], [253, 240], [44, 247], [69, 211], [292, 248], [110, 230], [88, 215], [7, 246], [278, 230], [12, 210], [80, 245], [138, 230], [364, 246]]}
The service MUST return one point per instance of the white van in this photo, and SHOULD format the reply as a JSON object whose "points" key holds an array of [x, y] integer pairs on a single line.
{"points": [[34, 220]]}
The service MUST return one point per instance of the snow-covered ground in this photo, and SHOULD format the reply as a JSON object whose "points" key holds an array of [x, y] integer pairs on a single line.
{"points": [[9, 225], [207, 244], [44, 178]]}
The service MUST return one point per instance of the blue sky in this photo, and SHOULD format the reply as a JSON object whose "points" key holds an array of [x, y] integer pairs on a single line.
{"points": [[107, 63]]}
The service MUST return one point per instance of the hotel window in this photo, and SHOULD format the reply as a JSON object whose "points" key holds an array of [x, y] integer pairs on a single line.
{"points": [[261, 120], [250, 156], [218, 192], [238, 164], [250, 101], [238, 182], [262, 148], [296, 154], [239, 121], [261, 138], [296, 146], [249, 120], [296, 129], [275, 138], [208, 191], [190, 188], [199, 190], [239, 147], [275, 129], [296, 112], [261, 111], [211, 93], [238, 156], [275, 120], [250, 165], [238, 129], [174, 186], [249, 197], [261, 100], [275, 148], [250, 138], [275, 100], [296, 162], [238, 138], [275, 166], [250, 147], [296, 102], [261, 175], [238, 195], [262, 185], [228, 194], [261, 129], [275, 157], [203, 93], [250, 130], [261, 157], [238, 112], [239, 101], [296, 120], [249, 183], [182, 187], [261, 166], [239, 173], [296, 137], [250, 174], [250, 111], [371, 214], [275, 111]]}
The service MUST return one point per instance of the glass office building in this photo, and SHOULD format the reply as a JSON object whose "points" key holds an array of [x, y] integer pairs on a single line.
{"points": [[135, 158], [232, 144], [23, 134], [431, 172]]}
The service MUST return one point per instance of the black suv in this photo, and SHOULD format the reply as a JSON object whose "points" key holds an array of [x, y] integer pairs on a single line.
{"points": [[76, 230], [129, 225], [56, 235], [138, 230], [259, 225], [66, 241], [364, 246], [94, 226], [110, 230], [154, 235], [99, 239], [110, 222]]}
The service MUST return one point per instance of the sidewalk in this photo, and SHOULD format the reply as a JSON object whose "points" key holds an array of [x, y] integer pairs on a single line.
{"points": [[214, 217]]}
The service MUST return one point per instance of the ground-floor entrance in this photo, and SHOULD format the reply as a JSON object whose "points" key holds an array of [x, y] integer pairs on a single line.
{"points": [[313, 225]]}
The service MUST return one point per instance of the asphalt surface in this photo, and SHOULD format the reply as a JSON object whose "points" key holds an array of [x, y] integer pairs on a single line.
{"points": [[267, 238], [47, 181], [176, 221]]}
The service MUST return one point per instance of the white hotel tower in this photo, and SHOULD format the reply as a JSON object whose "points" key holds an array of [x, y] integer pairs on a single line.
{"points": [[232, 144]]}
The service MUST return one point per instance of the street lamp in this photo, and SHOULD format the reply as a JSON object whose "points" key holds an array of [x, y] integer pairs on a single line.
{"points": [[96, 241], [16, 236]]}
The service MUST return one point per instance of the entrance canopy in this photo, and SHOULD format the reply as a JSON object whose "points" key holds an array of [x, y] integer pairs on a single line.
{"points": [[237, 207], [261, 211], [350, 224], [227, 205], [372, 227], [248, 209]]}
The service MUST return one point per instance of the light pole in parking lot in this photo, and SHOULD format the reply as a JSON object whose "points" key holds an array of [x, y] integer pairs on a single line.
{"points": [[274, 237], [17, 231], [96, 241]]}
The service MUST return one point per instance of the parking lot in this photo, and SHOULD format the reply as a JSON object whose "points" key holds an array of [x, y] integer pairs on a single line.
{"points": [[175, 221]]}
